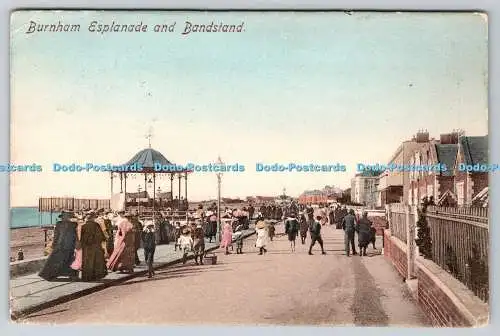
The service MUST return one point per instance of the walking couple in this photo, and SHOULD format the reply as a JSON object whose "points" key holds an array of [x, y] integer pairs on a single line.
{"points": [[366, 233]]}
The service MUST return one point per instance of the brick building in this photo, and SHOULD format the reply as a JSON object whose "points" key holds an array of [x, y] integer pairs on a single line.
{"points": [[328, 194], [438, 184], [453, 186], [473, 150]]}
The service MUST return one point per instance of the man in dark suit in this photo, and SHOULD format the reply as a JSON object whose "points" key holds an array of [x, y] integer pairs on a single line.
{"points": [[149, 245], [349, 225]]}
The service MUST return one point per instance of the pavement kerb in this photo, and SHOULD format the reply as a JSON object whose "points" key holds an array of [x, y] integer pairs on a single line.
{"points": [[15, 315]]}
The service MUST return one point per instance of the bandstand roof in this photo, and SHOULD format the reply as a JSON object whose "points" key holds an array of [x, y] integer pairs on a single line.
{"points": [[147, 159]]}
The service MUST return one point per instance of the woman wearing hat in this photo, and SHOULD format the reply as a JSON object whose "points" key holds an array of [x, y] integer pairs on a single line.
{"points": [[262, 236], [123, 256], [92, 238], [63, 249]]}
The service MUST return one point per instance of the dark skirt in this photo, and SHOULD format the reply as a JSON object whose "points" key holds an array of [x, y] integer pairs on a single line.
{"points": [[58, 264], [292, 235]]}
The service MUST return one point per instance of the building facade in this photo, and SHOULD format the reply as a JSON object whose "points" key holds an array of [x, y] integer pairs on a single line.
{"points": [[472, 151], [394, 186], [364, 188], [435, 184]]}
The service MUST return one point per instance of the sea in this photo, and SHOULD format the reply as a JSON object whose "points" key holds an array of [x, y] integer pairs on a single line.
{"points": [[22, 217]]}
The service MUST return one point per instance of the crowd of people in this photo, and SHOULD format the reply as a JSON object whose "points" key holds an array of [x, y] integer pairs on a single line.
{"points": [[88, 245], [299, 220]]}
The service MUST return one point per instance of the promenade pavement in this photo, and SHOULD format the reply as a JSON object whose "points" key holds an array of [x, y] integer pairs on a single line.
{"points": [[31, 293], [278, 288]]}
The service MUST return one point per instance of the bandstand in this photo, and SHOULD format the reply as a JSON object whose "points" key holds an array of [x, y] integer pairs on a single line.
{"points": [[148, 198]]}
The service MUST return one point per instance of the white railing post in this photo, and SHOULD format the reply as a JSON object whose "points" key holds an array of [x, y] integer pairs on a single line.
{"points": [[410, 242], [388, 215], [415, 234]]}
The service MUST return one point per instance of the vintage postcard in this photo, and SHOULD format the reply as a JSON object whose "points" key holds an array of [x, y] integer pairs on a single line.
{"points": [[249, 168]]}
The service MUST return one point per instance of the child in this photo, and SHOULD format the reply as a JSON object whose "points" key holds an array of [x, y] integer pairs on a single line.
{"points": [[149, 245], [271, 230], [20, 254], [239, 239], [262, 235], [177, 235], [198, 244], [185, 243]]}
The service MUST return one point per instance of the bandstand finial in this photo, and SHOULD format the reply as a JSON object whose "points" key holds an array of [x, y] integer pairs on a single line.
{"points": [[149, 135]]}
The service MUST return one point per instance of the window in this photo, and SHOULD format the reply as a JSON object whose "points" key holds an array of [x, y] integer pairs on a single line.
{"points": [[460, 193]]}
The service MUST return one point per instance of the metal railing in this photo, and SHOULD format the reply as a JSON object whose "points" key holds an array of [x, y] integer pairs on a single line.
{"points": [[460, 245]]}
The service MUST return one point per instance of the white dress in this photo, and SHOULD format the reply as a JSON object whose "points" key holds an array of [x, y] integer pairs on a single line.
{"points": [[262, 236]]}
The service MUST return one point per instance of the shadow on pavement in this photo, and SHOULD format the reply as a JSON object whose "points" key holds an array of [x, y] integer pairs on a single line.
{"points": [[44, 314], [177, 272]]}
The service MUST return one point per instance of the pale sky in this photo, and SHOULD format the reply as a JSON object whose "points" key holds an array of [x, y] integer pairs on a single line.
{"points": [[302, 87]]}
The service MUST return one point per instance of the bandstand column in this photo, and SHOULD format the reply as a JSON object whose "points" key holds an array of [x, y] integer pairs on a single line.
{"points": [[125, 182], [121, 182], [154, 193], [186, 186], [125, 178], [146, 184], [180, 176]]}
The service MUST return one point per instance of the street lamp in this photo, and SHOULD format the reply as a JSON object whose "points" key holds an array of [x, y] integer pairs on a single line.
{"points": [[219, 180], [139, 188]]}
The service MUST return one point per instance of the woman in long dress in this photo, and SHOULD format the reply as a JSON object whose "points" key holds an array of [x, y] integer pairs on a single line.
{"points": [[93, 263], [123, 256], [63, 250], [227, 236]]}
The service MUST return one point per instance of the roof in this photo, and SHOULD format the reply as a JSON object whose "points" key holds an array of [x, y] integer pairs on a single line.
{"points": [[482, 198], [447, 155], [447, 193], [147, 158], [370, 173], [475, 149]]}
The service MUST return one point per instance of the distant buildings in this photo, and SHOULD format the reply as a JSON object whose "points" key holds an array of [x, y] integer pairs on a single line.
{"points": [[260, 199], [328, 194]]}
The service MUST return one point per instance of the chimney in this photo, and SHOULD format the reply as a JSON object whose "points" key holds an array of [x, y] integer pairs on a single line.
{"points": [[451, 138], [446, 139], [422, 136]]}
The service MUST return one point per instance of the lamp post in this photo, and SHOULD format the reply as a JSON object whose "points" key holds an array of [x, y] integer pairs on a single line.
{"points": [[219, 180], [138, 199]]}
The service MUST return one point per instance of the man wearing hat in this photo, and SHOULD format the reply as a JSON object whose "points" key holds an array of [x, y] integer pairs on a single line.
{"points": [[63, 249], [349, 225], [149, 245]]}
